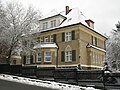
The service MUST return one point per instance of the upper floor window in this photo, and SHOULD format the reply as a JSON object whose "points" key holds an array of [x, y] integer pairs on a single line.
{"points": [[53, 23], [39, 57], [41, 39], [94, 40], [45, 25], [51, 38], [46, 39], [91, 25], [48, 56], [68, 36]]}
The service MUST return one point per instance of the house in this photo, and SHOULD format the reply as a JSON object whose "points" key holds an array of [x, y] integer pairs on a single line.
{"points": [[67, 40]]}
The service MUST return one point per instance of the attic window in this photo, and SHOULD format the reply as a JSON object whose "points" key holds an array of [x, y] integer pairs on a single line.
{"points": [[69, 19], [90, 23]]}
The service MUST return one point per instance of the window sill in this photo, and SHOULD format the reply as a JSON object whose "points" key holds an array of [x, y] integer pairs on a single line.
{"points": [[68, 61]]}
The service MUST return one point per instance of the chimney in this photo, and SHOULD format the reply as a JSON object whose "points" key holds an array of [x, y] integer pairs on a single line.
{"points": [[67, 10], [90, 23]]}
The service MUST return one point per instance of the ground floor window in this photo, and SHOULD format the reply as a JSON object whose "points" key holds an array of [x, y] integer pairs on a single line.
{"points": [[68, 56], [39, 57], [48, 56], [28, 59]]}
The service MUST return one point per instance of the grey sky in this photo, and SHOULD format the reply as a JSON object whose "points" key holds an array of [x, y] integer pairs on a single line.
{"points": [[105, 13]]}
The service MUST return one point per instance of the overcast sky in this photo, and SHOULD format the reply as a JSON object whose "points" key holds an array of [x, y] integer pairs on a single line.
{"points": [[105, 13]]}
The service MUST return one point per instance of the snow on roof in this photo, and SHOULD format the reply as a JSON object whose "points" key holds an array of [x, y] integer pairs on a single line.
{"points": [[45, 45], [52, 13], [73, 17], [96, 48], [41, 83]]}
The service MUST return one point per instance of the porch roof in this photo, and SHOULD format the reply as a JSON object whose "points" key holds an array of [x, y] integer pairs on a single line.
{"points": [[45, 45], [92, 46]]}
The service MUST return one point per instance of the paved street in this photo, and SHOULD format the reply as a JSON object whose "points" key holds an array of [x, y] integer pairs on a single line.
{"points": [[8, 85]]}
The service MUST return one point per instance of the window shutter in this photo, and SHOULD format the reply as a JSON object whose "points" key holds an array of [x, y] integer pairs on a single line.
{"points": [[63, 37], [54, 37], [31, 59], [73, 55], [62, 56], [24, 59], [73, 35]]}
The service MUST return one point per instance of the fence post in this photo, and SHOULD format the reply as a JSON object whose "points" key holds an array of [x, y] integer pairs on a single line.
{"points": [[76, 76], [103, 74]]}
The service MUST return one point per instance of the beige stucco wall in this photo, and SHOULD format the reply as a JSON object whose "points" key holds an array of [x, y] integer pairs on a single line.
{"points": [[83, 36]]}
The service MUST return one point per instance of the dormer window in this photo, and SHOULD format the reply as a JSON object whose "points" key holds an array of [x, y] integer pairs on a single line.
{"points": [[53, 23], [90, 23], [45, 25]]}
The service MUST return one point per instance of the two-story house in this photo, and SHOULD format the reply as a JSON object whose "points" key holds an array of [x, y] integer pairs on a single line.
{"points": [[67, 39]]}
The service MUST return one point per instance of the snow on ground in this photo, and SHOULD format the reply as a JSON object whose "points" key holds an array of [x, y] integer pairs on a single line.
{"points": [[41, 83]]}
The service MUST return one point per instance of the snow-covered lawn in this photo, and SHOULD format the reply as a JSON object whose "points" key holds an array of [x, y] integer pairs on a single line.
{"points": [[41, 83]]}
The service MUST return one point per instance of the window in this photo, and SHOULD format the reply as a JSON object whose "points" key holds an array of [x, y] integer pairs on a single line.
{"points": [[51, 38], [28, 59], [93, 57], [45, 25], [91, 25], [94, 40], [39, 57], [68, 36], [53, 23], [68, 56], [41, 39], [46, 39], [47, 56]]}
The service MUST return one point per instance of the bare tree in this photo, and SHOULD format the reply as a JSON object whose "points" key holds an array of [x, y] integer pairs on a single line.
{"points": [[20, 21]]}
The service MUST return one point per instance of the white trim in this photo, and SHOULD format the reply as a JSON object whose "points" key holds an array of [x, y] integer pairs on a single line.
{"points": [[93, 66], [68, 36], [68, 65], [47, 56], [46, 65]]}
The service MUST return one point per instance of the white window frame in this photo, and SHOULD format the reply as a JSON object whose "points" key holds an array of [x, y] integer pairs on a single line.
{"points": [[51, 38], [47, 56], [68, 56], [94, 40], [45, 25], [39, 57], [68, 36], [46, 39], [28, 59], [53, 23], [91, 24]]}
